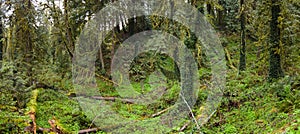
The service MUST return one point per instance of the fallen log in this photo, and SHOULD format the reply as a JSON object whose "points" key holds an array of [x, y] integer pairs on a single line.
{"points": [[124, 100], [32, 106], [131, 101]]}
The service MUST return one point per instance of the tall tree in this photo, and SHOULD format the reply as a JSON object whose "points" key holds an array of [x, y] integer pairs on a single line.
{"points": [[275, 70], [220, 15], [70, 40], [1, 34], [242, 66], [25, 35]]}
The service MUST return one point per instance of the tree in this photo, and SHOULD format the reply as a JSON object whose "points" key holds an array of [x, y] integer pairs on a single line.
{"points": [[275, 70], [242, 66], [1, 35], [220, 15], [25, 36], [230, 9], [70, 40]]}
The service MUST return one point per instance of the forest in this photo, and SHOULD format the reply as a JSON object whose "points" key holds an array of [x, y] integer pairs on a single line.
{"points": [[150, 66]]}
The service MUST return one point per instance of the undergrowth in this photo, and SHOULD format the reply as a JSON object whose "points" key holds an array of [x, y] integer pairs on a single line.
{"points": [[250, 103]]}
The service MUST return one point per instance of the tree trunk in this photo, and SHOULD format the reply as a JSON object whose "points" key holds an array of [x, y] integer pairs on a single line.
{"points": [[242, 66], [24, 36], [70, 41], [1, 35], [131, 26], [29, 43], [220, 17], [1, 38], [275, 70], [210, 10], [101, 57], [8, 48]]}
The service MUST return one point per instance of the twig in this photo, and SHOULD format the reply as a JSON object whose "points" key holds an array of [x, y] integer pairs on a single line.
{"points": [[189, 122], [184, 126], [198, 126], [160, 112], [93, 121], [106, 79], [88, 130]]}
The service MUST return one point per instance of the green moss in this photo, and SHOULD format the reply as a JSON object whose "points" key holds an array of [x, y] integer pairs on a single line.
{"points": [[52, 104]]}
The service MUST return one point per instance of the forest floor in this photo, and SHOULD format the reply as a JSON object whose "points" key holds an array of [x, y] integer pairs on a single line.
{"points": [[250, 104]]}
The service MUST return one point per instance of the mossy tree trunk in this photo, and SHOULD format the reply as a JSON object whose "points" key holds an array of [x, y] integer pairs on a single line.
{"points": [[242, 66], [70, 45], [1, 36], [24, 36], [275, 70]]}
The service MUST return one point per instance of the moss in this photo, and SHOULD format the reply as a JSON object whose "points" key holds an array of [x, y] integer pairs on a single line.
{"points": [[67, 112]]}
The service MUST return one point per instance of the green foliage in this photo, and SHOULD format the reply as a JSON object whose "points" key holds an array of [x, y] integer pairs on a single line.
{"points": [[142, 66], [12, 99], [36, 45], [52, 104], [106, 88], [12, 122], [252, 106], [232, 9], [147, 63], [287, 93], [12, 86], [229, 129]]}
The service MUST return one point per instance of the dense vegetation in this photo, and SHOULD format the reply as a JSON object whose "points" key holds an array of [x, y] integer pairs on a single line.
{"points": [[260, 39]]}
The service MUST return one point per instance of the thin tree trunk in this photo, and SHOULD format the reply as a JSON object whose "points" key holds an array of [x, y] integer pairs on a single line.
{"points": [[1, 36], [8, 49], [29, 42], [210, 10], [221, 16], [242, 66], [56, 44], [275, 70], [101, 57], [70, 43]]}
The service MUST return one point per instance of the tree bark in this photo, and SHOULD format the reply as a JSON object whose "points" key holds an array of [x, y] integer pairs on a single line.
{"points": [[131, 29], [70, 40], [220, 16], [275, 70], [242, 66], [1, 36], [210, 10], [24, 36], [101, 57]]}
